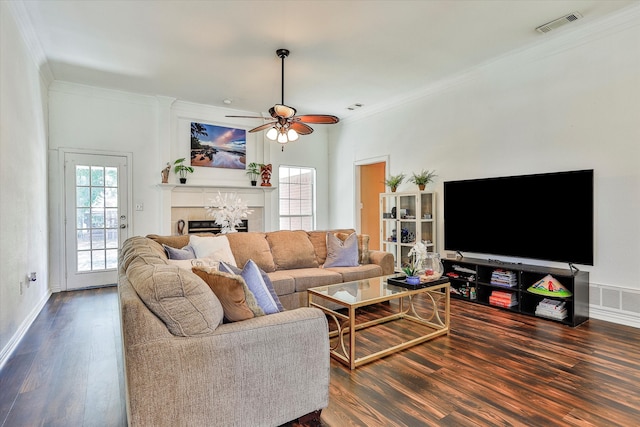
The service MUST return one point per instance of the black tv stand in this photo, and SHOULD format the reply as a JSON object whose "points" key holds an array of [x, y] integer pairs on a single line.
{"points": [[471, 280]]}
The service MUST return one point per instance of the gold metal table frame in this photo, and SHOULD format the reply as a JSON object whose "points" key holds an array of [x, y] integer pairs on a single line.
{"points": [[362, 293]]}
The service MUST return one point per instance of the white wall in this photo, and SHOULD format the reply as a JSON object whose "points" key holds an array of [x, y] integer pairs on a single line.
{"points": [[23, 184], [572, 102], [156, 130]]}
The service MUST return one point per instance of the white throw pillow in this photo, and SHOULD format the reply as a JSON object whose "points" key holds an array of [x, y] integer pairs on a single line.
{"points": [[216, 247]]}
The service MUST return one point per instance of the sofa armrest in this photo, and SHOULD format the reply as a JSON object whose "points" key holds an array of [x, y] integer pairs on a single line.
{"points": [[263, 371], [384, 259]]}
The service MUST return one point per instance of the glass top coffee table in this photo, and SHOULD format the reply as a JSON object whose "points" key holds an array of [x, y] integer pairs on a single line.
{"points": [[427, 308]]}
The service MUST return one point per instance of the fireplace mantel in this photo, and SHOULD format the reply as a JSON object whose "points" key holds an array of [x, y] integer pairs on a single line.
{"points": [[199, 195], [237, 188]]}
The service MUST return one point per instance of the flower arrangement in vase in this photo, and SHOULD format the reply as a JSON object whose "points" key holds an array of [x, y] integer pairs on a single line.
{"points": [[417, 254], [228, 211]]}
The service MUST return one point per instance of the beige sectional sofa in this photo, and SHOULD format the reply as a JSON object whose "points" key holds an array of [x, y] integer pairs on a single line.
{"points": [[293, 260], [184, 367]]}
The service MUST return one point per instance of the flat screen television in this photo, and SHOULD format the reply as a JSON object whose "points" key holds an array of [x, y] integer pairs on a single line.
{"points": [[543, 216]]}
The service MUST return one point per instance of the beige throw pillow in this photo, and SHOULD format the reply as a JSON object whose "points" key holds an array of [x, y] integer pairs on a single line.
{"points": [[237, 300]]}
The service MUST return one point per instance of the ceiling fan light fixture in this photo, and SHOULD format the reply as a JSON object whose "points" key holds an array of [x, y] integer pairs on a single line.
{"points": [[284, 125], [272, 134], [292, 135]]}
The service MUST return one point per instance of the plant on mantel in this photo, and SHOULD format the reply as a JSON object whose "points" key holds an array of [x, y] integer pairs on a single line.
{"points": [[182, 170], [253, 170]]}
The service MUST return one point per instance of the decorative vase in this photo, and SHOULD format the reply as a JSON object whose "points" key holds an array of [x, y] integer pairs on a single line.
{"points": [[183, 180], [393, 189], [228, 229], [413, 280], [421, 187], [432, 267], [254, 183]]}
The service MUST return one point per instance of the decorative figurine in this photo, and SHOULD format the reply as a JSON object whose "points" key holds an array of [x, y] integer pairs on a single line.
{"points": [[265, 173], [165, 173]]}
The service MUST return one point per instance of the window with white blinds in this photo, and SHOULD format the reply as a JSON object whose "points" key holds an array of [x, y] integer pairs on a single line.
{"points": [[297, 189]]}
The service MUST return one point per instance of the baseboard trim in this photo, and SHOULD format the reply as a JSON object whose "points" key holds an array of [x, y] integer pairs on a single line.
{"points": [[8, 350], [614, 316]]}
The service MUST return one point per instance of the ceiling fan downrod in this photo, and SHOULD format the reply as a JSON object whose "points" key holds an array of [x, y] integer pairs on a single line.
{"points": [[282, 54]]}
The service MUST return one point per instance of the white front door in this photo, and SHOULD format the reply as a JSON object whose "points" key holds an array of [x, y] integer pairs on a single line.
{"points": [[96, 218]]}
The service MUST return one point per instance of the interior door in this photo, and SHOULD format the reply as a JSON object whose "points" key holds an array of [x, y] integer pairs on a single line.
{"points": [[371, 185], [96, 218]]}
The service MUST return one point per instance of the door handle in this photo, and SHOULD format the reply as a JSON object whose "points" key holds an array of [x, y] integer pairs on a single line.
{"points": [[123, 225]]}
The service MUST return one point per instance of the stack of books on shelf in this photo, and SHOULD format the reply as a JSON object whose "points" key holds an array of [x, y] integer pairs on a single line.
{"points": [[553, 309], [503, 299], [504, 278]]}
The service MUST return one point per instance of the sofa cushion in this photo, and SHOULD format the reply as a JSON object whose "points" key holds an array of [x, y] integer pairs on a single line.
{"points": [[179, 298], [173, 241], [254, 245], [360, 272], [305, 278], [216, 247], [237, 300], [282, 282], [259, 284], [291, 250], [341, 253], [185, 252]]}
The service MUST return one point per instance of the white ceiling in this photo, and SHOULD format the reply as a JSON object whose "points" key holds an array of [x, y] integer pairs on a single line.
{"points": [[342, 52]]}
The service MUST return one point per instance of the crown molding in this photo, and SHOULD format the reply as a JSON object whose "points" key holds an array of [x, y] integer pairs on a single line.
{"points": [[548, 45], [25, 26]]}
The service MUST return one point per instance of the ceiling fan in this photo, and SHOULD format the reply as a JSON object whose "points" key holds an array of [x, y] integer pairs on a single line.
{"points": [[285, 125]]}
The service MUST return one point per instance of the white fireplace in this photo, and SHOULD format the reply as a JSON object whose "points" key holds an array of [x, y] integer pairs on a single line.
{"points": [[188, 203]]}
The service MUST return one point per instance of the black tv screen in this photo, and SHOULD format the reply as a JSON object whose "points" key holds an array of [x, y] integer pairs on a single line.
{"points": [[544, 216]]}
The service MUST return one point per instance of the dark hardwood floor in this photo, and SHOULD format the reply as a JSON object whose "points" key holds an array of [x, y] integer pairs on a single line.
{"points": [[494, 369]]}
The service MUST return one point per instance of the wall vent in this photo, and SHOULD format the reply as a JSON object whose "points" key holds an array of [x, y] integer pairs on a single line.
{"points": [[559, 22]]}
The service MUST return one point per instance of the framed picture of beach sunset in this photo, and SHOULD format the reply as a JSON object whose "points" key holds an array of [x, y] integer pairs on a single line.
{"points": [[215, 146]]}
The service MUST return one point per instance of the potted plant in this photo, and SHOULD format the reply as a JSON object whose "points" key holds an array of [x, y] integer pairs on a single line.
{"points": [[423, 178], [253, 170], [393, 181], [182, 170]]}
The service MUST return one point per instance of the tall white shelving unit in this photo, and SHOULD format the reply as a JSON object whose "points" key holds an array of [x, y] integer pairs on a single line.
{"points": [[406, 218]]}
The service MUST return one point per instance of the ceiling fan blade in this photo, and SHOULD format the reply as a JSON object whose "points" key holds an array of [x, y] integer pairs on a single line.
{"points": [[251, 117], [262, 127], [301, 128], [323, 119], [282, 111]]}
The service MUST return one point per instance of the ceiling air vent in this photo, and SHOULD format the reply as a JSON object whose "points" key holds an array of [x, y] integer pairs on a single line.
{"points": [[559, 22]]}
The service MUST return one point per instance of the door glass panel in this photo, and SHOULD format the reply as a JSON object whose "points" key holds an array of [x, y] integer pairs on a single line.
{"points": [[97, 260], [111, 197], [97, 176], [96, 226], [84, 261], [82, 197], [112, 258], [82, 175], [110, 177]]}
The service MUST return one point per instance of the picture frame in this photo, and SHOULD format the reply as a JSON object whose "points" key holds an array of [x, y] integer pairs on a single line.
{"points": [[216, 146]]}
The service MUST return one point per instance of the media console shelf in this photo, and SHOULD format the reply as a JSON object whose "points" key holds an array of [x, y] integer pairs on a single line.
{"points": [[476, 280]]}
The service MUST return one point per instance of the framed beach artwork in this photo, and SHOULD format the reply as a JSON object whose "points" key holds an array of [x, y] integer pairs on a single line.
{"points": [[218, 146]]}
